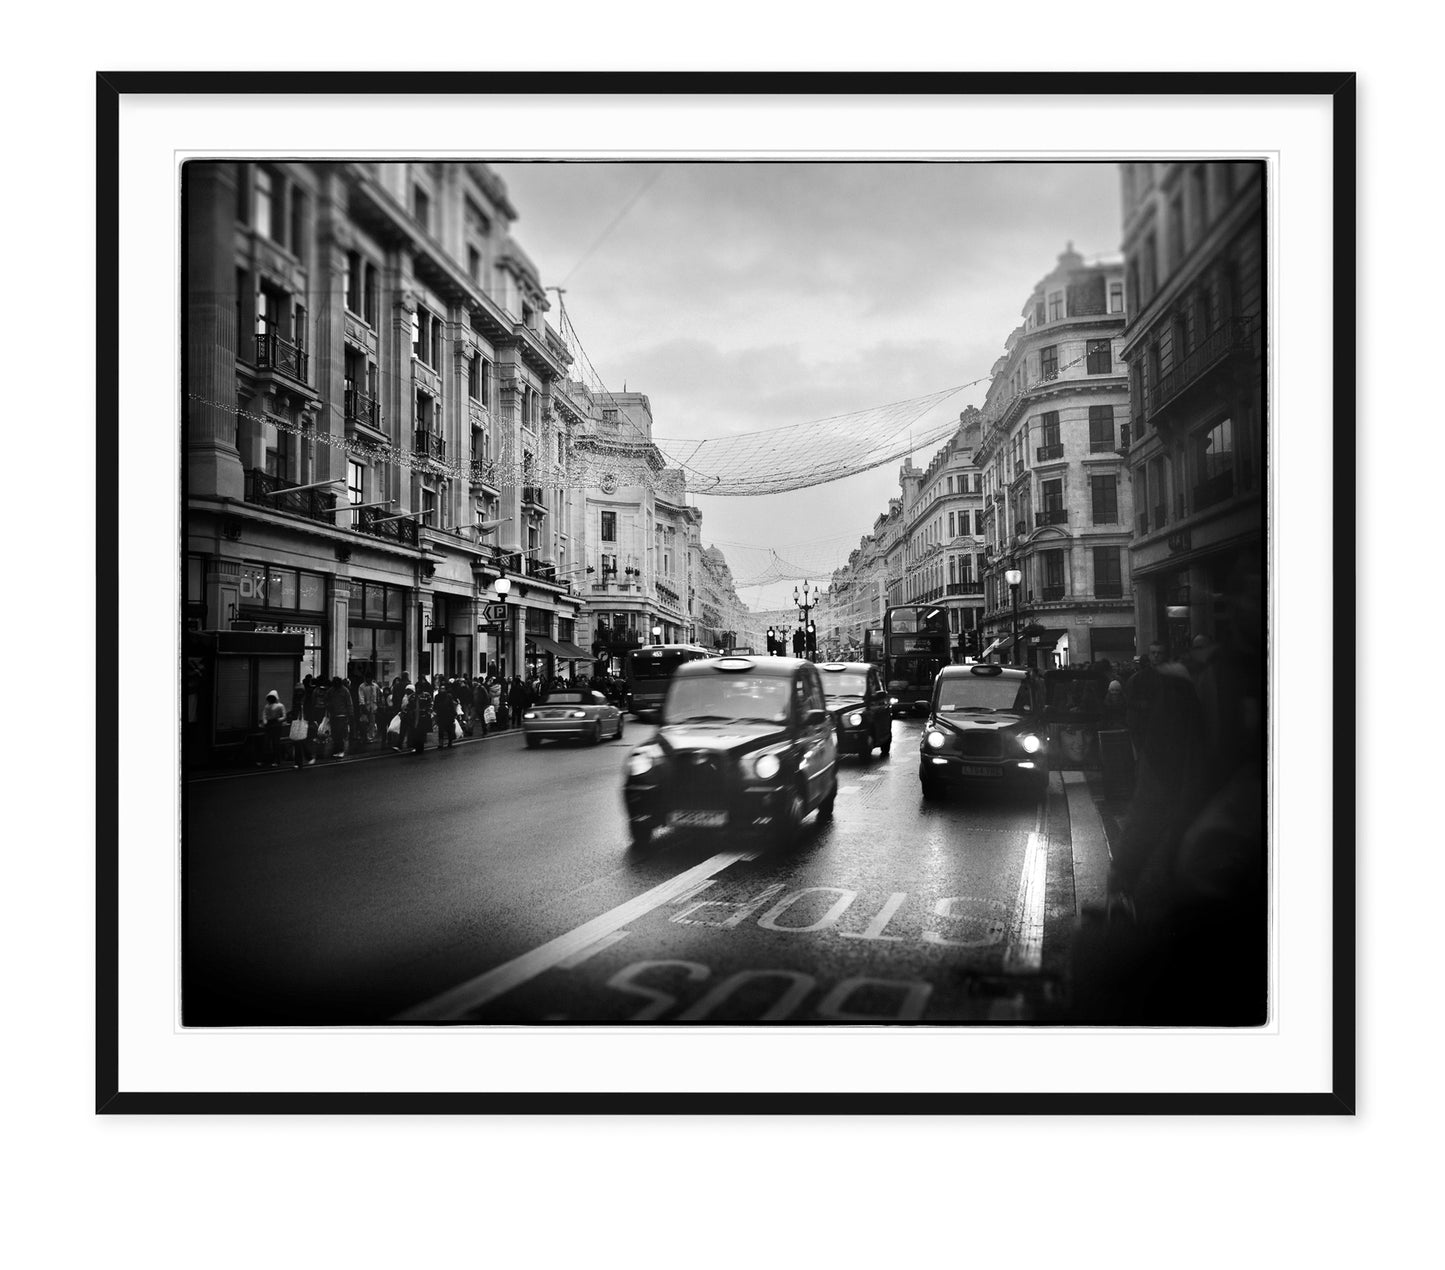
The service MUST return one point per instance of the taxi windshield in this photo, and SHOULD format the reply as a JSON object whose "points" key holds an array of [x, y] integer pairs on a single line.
{"points": [[961, 693], [727, 699], [845, 685]]}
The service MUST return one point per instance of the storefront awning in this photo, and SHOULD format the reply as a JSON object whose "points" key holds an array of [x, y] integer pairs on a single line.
{"points": [[1003, 642], [567, 652], [1050, 637]]}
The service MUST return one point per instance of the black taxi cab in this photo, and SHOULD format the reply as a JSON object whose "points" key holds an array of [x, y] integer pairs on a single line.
{"points": [[859, 705], [744, 745], [985, 726]]}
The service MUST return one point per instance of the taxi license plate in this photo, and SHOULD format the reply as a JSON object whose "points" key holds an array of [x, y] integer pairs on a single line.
{"points": [[698, 819], [969, 769]]}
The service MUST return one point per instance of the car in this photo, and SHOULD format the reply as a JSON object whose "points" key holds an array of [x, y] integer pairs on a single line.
{"points": [[571, 714], [859, 706], [744, 745], [985, 727]]}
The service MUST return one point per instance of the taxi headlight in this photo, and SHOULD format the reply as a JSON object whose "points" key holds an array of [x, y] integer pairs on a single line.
{"points": [[936, 739], [1031, 743], [579, 714], [855, 720], [892, 701], [767, 766], [641, 761], [531, 714]]}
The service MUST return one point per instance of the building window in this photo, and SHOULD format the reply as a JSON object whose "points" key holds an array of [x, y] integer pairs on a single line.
{"points": [[1049, 430], [429, 506], [421, 207], [474, 264], [1100, 357], [950, 524], [609, 526], [1105, 495], [1049, 361], [298, 220], [1149, 266], [1116, 297], [1052, 574], [265, 220], [1053, 504], [1176, 231], [474, 377], [1199, 184], [369, 298], [1056, 306], [1101, 429], [353, 281], [1108, 575]]}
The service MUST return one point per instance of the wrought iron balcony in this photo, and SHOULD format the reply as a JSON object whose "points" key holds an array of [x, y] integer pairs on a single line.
{"points": [[361, 408], [1235, 336], [1052, 516], [275, 353], [1214, 490], [270, 491], [533, 494], [1106, 445], [405, 532], [429, 444], [965, 588], [1047, 452], [1053, 592]]}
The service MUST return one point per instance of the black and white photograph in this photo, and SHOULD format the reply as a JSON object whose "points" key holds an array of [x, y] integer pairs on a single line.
{"points": [[737, 592]]}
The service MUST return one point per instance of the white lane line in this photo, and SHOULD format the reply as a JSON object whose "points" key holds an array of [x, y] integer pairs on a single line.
{"points": [[1024, 953], [486, 987], [577, 958]]}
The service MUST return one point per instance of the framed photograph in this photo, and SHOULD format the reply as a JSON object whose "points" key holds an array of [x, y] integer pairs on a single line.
{"points": [[753, 593]]}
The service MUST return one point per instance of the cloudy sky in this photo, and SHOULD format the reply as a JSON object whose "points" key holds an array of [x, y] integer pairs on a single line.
{"points": [[745, 297]]}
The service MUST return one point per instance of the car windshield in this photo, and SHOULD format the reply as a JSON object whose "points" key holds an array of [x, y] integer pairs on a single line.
{"points": [[961, 693], [722, 698], [566, 699], [842, 684]]}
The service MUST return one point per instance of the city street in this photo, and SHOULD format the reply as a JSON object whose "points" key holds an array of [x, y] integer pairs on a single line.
{"points": [[491, 883]]}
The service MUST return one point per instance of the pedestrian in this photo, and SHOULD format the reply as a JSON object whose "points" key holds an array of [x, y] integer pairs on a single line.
{"points": [[367, 697], [518, 699], [273, 724], [421, 715], [304, 749], [1139, 696], [338, 709], [445, 706], [466, 701], [499, 703], [1115, 707]]}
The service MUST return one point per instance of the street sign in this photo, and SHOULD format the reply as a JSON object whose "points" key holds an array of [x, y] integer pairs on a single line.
{"points": [[496, 612], [488, 628]]}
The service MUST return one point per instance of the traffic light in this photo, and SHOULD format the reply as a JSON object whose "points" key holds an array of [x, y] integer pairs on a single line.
{"points": [[798, 638], [772, 641], [812, 638]]}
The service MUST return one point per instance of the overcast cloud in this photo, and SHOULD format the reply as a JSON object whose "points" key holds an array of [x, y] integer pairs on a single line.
{"points": [[743, 297]]}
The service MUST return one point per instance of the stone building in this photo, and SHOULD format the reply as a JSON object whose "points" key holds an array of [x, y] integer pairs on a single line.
{"points": [[1058, 504], [1194, 344]]}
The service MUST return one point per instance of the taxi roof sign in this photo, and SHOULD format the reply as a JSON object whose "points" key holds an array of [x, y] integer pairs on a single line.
{"points": [[734, 663]]}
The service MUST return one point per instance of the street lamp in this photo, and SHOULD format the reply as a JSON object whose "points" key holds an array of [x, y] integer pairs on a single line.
{"points": [[503, 587], [1014, 577], [657, 633]]}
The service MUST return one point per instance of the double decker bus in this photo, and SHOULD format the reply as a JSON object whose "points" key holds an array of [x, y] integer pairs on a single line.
{"points": [[915, 648], [647, 670]]}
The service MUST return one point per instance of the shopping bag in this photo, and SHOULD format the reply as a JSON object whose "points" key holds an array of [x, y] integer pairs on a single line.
{"points": [[324, 731], [393, 730], [489, 715], [457, 732], [298, 730]]}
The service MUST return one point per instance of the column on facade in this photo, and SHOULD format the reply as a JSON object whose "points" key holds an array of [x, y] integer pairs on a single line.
{"points": [[213, 463], [328, 286]]}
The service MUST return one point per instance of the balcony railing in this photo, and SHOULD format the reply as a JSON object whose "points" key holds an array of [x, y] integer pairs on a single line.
{"points": [[965, 588], [1052, 516], [361, 408], [532, 494], [1235, 335], [429, 444], [1047, 452], [275, 353], [1104, 445], [270, 491], [1053, 592], [405, 532], [1108, 590], [1214, 490]]}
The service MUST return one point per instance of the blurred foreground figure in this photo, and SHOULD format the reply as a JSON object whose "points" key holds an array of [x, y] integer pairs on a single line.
{"points": [[1183, 939]]}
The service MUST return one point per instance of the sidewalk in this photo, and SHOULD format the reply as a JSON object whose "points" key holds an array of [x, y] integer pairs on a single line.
{"points": [[376, 749]]}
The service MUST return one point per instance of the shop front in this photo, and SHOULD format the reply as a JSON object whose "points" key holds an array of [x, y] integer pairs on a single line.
{"points": [[376, 643]]}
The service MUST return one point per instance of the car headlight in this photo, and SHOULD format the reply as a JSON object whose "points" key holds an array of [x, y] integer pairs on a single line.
{"points": [[767, 766], [579, 714], [855, 720], [1031, 743], [936, 739], [531, 714], [643, 760], [892, 701]]}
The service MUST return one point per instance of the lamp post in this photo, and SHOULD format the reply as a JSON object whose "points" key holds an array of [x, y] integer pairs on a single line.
{"points": [[1014, 577], [805, 606], [503, 587], [656, 633]]}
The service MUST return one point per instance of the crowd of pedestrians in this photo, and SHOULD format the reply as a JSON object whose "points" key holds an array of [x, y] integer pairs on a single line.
{"points": [[328, 719]]}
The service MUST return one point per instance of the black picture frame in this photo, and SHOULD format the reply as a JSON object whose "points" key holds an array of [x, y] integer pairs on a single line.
{"points": [[1339, 1098]]}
